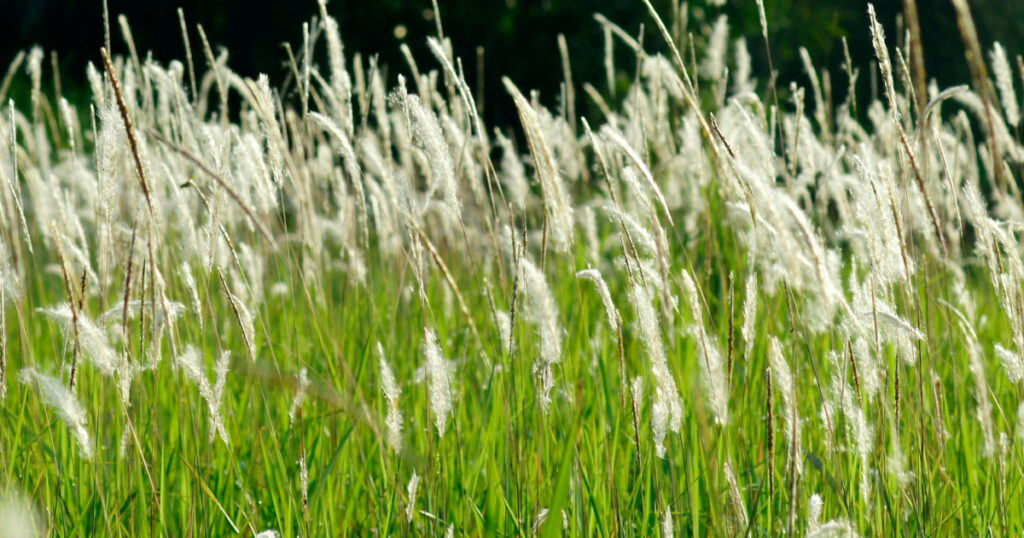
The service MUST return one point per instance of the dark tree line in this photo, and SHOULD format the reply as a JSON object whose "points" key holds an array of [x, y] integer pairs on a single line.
{"points": [[518, 36]]}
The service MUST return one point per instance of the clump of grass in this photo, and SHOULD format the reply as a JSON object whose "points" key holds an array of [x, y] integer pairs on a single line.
{"points": [[309, 228]]}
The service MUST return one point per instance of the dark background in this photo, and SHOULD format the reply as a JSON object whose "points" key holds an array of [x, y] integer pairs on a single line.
{"points": [[519, 36]]}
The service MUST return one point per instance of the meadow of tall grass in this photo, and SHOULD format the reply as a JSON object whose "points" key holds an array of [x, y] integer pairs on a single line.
{"points": [[347, 306]]}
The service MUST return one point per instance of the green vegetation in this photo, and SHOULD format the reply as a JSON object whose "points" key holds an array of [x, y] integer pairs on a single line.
{"points": [[712, 307]]}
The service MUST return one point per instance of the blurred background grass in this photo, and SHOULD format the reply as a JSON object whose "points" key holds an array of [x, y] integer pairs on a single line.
{"points": [[518, 36]]}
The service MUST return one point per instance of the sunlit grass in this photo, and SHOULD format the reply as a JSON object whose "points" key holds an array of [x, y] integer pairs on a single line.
{"points": [[772, 336]]}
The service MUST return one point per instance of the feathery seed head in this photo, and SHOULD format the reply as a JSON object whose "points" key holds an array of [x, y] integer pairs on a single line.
{"points": [[1004, 83], [611, 312], [56, 395], [650, 334], [391, 393], [300, 395], [410, 492], [439, 378]]}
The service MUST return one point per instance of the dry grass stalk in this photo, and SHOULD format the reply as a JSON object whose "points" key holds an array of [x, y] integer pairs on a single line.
{"points": [[979, 75]]}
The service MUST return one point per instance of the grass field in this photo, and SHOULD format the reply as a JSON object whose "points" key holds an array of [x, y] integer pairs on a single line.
{"points": [[347, 307]]}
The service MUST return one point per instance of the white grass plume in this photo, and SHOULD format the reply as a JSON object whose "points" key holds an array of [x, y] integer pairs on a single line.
{"points": [[439, 378], [245, 323], [612, 134], [304, 481], [736, 497], [341, 82], [896, 462], [191, 361], [667, 528], [10, 284], [749, 313], [441, 52], [9, 291], [193, 292], [539, 307], [785, 384], [763, 19], [391, 392], [503, 323], [302, 384], [884, 65], [167, 312], [513, 173], [56, 395], [557, 202], [742, 82], [1020, 422], [1004, 83], [712, 367], [93, 340], [668, 403], [867, 366], [640, 236], [410, 492], [981, 387], [814, 507], [713, 66], [428, 135], [660, 416], [34, 68], [13, 186], [835, 528], [1012, 363], [611, 312], [863, 434]]}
